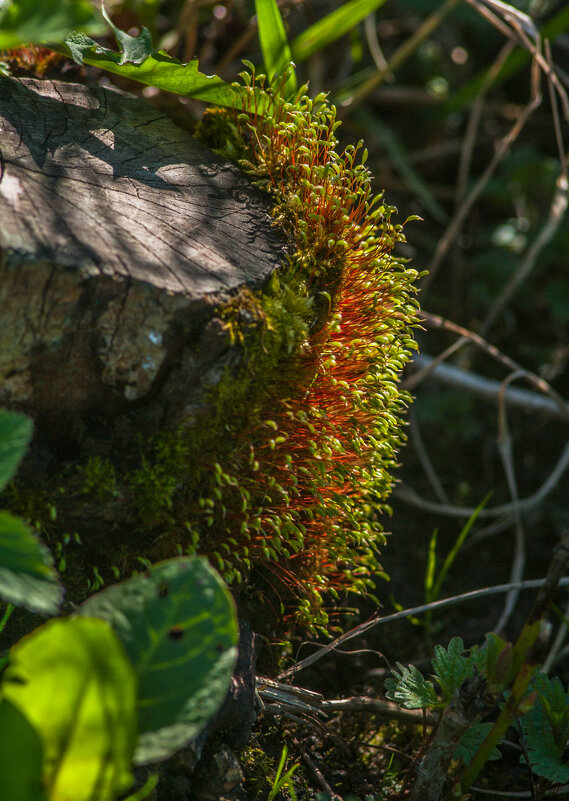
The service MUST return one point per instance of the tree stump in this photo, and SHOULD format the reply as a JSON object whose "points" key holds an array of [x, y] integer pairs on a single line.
{"points": [[120, 236]]}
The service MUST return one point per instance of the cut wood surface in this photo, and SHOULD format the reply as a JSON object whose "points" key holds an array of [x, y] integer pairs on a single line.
{"points": [[119, 236]]}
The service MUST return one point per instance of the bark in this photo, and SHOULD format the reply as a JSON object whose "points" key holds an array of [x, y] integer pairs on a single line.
{"points": [[120, 235]]}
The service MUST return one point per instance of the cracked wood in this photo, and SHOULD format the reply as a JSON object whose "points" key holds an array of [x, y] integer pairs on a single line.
{"points": [[119, 237]]}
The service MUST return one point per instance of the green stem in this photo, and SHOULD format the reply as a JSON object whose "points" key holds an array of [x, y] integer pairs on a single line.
{"points": [[6, 616], [505, 719]]}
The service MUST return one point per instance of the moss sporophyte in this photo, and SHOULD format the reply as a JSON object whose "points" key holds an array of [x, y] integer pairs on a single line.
{"points": [[314, 465], [285, 482]]}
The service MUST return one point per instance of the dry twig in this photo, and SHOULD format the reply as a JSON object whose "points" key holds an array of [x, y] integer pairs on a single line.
{"points": [[485, 388], [505, 447], [323, 650]]}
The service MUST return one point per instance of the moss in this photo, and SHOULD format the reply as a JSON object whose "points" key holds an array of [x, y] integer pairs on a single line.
{"points": [[98, 479], [259, 768], [339, 419], [283, 481], [297, 461]]}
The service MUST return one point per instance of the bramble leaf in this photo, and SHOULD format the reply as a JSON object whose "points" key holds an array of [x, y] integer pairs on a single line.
{"points": [[471, 741], [137, 59], [497, 660], [132, 49], [546, 729], [451, 667], [410, 688]]}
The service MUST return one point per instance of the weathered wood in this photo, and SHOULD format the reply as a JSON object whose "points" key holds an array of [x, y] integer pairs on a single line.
{"points": [[119, 235]]}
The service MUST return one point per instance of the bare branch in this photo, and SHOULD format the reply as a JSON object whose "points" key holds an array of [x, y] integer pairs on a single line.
{"points": [[409, 496], [485, 388], [505, 446], [416, 610]]}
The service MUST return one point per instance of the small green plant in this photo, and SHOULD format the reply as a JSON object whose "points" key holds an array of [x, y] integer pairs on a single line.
{"points": [[543, 712], [451, 667], [283, 781], [434, 581]]}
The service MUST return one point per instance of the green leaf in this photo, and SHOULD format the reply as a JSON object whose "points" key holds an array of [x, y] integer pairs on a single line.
{"points": [[332, 27], [145, 790], [430, 569], [33, 22], [72, 681], [274, 43], [490, 652], [163, 72], [15, 434], [499, 665], [21, 756], [452, 554], [410, 688], [26, 575], [137, 60], [471, 741], [451, 667], [546, 729], [132, 49], [178, 625]]}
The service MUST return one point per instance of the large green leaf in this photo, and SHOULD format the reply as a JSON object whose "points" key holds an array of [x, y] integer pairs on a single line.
{"points": [[73, 682], [178, 625], [21, 756], [136, 59], [331, 27], [26, 575], [15, 434], [546, 728], [166, 72], [34, 22], [274, 42]]}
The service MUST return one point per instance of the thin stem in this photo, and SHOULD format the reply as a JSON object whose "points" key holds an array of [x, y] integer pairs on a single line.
{"points": [[415, 610], [6, 616]]}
